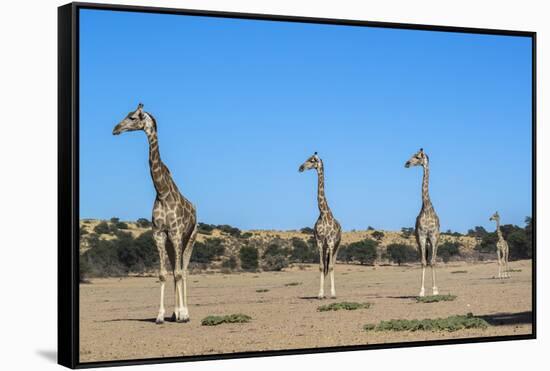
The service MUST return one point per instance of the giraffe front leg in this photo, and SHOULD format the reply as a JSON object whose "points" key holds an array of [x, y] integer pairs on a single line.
{"points": [[331, 270], [184, 310], [321, 294], [499, 258], [422, 243], [433, 242], [160, 242]]}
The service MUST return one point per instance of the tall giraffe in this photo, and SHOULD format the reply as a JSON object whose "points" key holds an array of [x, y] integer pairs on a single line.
{"points": [[174, 217], [427, 222], [502, 249], [327, 231]]}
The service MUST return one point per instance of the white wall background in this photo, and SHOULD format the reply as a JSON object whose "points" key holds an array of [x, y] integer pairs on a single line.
{"points": [[28, 180]]}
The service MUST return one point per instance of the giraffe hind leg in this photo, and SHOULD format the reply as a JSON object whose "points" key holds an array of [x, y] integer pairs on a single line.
{"points": [[184, 311], [422, 245], [433, 263]]}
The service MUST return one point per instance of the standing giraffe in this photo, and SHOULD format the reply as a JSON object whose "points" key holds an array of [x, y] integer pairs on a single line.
{"points": [[174, 217], [502, 250], [327, 231], [427, 222]]}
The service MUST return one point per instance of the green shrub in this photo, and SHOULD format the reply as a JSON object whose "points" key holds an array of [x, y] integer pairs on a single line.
{"points": [[363, 251], [401, 253], [262, 290], [230, 263], [377, 235], [205, 228], [307, 230], [232, 318], [205, 252], [452, 323], [143, 223], [435, 298], [275, 262], [249, 258], [302, 252], [407, 232], [293, 284], [460, 271], [447, 250], [246, 235], [121, 225], [114, 220], [102, 228], [343, 306]]}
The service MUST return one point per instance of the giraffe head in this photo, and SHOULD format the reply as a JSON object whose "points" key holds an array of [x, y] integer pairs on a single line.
{"points": [[136, 120], [420, 158], [314, 162], [495, 217]]}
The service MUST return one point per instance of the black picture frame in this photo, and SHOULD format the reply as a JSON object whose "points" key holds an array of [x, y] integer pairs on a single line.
{"points": [[68, 181]]}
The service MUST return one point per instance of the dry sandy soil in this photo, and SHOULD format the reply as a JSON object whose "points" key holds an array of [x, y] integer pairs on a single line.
{"points": [[117, 315]]}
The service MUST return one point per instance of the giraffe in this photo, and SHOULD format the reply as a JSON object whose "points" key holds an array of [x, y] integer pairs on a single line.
{"points": [[502, 249], [327, 231], [174, 217], [427, 222]]}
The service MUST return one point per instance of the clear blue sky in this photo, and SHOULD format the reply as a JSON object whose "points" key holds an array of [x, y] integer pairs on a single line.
{"points": [[240, 104]]}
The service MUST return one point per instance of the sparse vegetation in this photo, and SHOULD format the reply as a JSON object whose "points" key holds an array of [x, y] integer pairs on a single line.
{"points": [[452, 323], [293, 284], [364, 252], [143, 223], [231, 318], [343, 306], [447, 250], [407, 232], [102, 228], [249, 258], [401, 253], [205, 252], [307, 230], [262, 290], [230, 263], [459, 271], [377, 235], [435, 298]]}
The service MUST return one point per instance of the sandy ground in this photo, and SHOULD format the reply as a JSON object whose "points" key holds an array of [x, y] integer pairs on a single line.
{"points": [[117, 315]]}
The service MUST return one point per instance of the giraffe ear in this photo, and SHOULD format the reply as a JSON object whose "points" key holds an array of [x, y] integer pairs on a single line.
{"points": [[140, 106]]}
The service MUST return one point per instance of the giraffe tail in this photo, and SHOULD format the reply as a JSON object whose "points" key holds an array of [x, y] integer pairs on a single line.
{"points": [[326, 259]]}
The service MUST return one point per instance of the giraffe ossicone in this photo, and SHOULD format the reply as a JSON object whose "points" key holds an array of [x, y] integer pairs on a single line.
{"points": [[174, 217]]}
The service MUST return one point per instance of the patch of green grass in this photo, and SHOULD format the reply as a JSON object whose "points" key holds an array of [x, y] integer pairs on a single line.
{"points": [[262, 290], [450, 324], [345, 305], [231, 318], [455, 272], [293, 284], [435, 298]]}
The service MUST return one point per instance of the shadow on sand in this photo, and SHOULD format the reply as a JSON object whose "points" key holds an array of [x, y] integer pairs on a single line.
{"points": [[506, 319]]}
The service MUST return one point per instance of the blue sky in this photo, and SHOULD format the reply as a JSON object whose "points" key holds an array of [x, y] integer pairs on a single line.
{"points": [[240, 104]]}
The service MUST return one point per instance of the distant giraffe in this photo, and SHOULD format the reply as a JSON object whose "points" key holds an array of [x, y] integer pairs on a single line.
{"points": [[502, 250], [174, 217], [427, 222], [327, 231]]}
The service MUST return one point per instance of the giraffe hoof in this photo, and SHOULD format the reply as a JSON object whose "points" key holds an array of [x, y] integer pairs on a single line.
{"points": [[159, 321], [333, 296], [320, 297], [422, 293]]}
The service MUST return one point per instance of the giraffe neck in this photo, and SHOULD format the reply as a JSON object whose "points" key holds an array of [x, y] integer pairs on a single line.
{"points": [[425, 185], [158, 174], [321, 198], [499, 233]]}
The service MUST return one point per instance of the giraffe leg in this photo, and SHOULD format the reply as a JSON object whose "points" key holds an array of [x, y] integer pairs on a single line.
{"points": [[176, 240], [506, 253], [160, 242], [322, 270], [433, 243], [184, 311], [422, 243], [331, 270], [499, 258]]}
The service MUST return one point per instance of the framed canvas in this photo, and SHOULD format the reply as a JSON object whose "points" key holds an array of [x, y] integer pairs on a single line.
{"points": [[242, 185]]}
